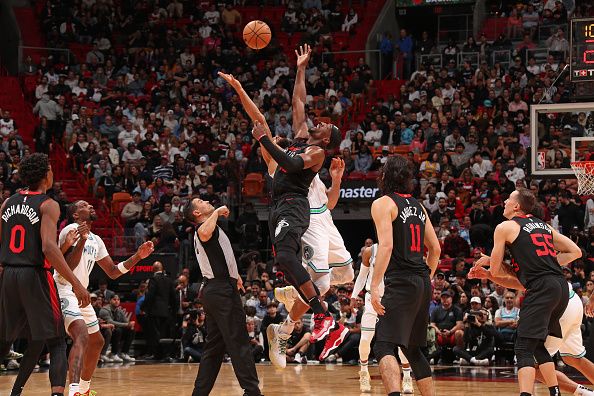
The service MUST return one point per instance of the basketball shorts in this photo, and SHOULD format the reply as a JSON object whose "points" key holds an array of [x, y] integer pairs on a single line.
{"points": [[571, 344], [72, 311], [29, 305], [544, 304], [406, 300], [323, 249], [288, 221], [369, 319]]}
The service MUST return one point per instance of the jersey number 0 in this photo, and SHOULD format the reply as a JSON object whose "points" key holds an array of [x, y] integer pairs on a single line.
{"points": [[17, 239]]}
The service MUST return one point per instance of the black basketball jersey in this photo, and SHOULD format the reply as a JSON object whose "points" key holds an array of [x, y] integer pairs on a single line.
{"points": [[21, 230], [533, 253], [408, 230], [296, 182]]}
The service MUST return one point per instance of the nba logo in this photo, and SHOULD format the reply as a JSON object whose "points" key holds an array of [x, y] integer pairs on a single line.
{"points": [[540, 160]]}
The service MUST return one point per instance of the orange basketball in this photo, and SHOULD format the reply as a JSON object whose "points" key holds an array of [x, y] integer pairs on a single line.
{"points": [[257, 34]]}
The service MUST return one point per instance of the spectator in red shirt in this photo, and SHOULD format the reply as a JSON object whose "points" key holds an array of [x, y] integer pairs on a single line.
{"points": [[454, 245]]}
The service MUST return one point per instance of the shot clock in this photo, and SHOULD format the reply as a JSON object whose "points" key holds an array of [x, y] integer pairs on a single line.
{"points": [[581, 57]]}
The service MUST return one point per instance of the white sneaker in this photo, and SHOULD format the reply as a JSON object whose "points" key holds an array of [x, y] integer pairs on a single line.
{"points": [[331, 359], [286, 295], [116, 359], [364, 381], [14, 355], [583, 391], [127, 358], [12, 365], [277, 346], [297, 358], [105, 359], [464, 362], [479, 362], [407, 385]]}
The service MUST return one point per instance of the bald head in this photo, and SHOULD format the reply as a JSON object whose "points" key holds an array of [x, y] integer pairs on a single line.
{"points": [[157, 266]]}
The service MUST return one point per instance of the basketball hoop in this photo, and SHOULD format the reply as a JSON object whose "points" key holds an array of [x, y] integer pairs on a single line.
{"points": [[584, 171]]}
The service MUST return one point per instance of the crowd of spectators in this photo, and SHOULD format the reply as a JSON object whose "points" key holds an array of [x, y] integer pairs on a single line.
{"points": [[144, 112]]}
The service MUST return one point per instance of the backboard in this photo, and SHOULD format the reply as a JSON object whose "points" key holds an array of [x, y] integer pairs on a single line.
{"points": [[560, 134]]}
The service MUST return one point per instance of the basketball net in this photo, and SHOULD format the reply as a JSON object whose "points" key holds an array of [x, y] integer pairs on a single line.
{"points": [[584, 171]]}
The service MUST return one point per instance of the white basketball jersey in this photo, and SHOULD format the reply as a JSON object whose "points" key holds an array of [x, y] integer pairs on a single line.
{"points": [[371, 268], [317, 193], [93, 251], [6, 127]]}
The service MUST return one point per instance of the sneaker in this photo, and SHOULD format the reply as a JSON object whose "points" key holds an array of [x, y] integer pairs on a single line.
{"points": [[286, 295], [105, 359], [277, 346], [407, 385], [115, 358], [12, 355], [464, 362], [12, 365], [332, 358], [364, 381], [333, 341], [2, 367], [297, 357], [583, 391], [127, 358], [323, 324], [303, 359], [45, 363]]}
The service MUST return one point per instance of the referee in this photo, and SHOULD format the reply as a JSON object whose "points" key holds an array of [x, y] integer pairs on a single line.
{"points": [[225, 318]]}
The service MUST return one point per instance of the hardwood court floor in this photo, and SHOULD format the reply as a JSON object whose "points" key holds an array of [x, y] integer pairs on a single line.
{"points": [[318, 380]]}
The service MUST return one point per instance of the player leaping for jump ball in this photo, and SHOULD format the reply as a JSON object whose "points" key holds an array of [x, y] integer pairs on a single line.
{"points": [[82, 250], [289, 216], [323, 252], [538, 252], [368, 323]]}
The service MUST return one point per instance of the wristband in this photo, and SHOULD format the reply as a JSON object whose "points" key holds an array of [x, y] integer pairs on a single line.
{"points": [[122, 268]]}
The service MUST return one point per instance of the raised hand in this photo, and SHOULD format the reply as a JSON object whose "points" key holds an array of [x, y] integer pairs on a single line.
{"points": [[223, 211], [71, 237], [259, 130], [231, 80], [303, 55], [145, 249], [83, 231], [337, 168]]}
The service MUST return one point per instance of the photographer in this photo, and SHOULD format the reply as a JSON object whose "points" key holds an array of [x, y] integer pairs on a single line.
{"points": [[194, 334], [479, 338], [256, 340]]}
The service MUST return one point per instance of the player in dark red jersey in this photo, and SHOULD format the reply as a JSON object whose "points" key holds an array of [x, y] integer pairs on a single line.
{"points": [[29, 302], [403, 230], [538, 252]]}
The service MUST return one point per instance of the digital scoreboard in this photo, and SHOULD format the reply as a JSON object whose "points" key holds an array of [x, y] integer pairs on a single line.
{"points": [[581, 53]]}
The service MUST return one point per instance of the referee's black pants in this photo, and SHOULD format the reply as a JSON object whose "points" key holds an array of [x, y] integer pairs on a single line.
{"points": [[226, 331]]}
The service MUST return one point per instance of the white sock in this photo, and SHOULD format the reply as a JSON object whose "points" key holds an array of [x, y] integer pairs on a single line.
{"points": [[73, 389], [287, 326], [364, 366], [406, 371], [84, 385]]}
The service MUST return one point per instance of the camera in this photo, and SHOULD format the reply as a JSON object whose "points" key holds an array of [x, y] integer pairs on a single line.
{"points": [[471, 318]]}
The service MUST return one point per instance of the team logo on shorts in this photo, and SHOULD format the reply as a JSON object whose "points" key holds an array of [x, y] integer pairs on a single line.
{"points": [[64, 303], [308, 252], [279, 227]]}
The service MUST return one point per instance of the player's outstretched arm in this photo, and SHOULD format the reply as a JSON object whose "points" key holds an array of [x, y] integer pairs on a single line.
{"points": [[568, 250], [336, 172], [363, 274], [300, 93], [382, 213], [114, 271], [207, 228], [50, 212], [432, 243], [247, 103], [508, 280]]}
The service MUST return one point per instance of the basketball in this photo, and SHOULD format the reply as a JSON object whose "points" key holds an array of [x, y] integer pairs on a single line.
{"points": [[257, 34]]}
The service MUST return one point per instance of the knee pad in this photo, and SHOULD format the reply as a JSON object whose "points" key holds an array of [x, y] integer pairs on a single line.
{"points": [[541, 354], [322, 283], [290, 264], [341, 275], [382, 349], [524, 349], [418, 362]]}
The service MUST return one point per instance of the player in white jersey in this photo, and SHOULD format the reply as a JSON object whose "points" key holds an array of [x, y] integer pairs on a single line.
{"points": [[82, 249], [368, 323], [571, 346]]}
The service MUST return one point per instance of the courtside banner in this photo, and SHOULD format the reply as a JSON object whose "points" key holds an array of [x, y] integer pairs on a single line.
{"points": [[143, 270], [358, 191]]}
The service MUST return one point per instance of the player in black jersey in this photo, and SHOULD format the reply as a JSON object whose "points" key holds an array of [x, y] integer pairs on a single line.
{"points": [[29, 302], [403, 230], [538, 252], [289, 216]]}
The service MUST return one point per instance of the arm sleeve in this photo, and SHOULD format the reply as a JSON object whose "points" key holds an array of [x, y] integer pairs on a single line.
{"points": [[361, 280], [290, 164]]}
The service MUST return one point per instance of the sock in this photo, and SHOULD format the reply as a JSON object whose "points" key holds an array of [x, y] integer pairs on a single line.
{"points": [[525, 394], [394, 394], [406, 371], [316, 305], [57, 394], [288, 325], [554, 391], [364, 365], [73, 389], [84, 386]]}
